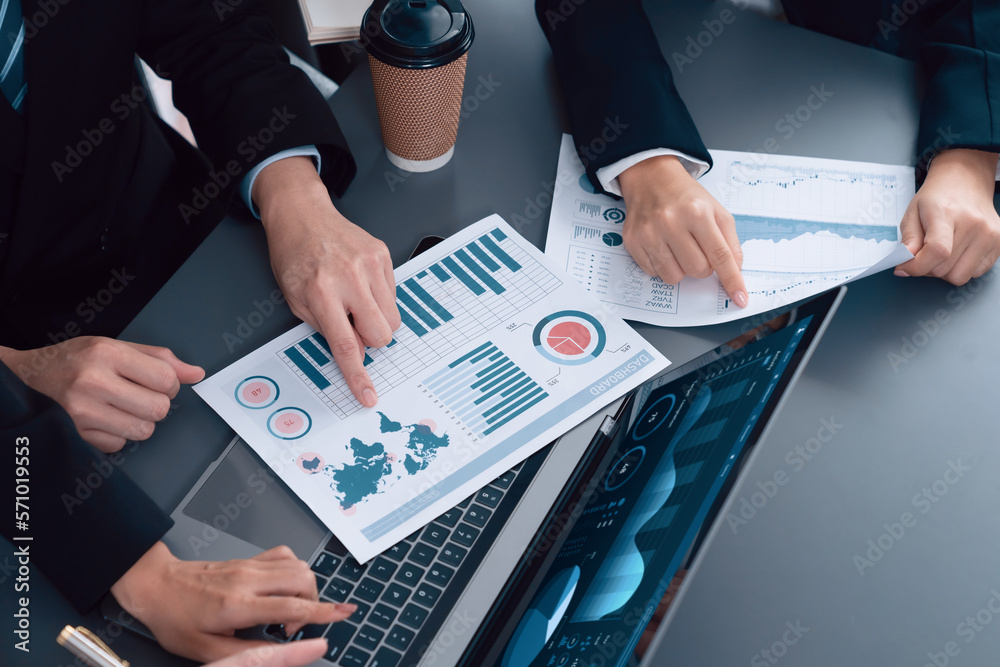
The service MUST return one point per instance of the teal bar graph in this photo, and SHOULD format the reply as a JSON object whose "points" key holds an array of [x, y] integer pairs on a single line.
{"points": [[416, 308], [479, 272], [314, 352], [308, 369], [444, 304], [485, 389], [470, 354], [321, 341], [411, 323], [507, 260], [524, 408], [441, 274], [481, 265], [466, 279], [481, 255], [428, 300]]}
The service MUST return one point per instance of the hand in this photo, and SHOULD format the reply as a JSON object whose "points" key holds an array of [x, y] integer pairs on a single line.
{"points": [[193, 608], [335, 275], [277, 655], [674, 228], [113, 390], [950, 225]]}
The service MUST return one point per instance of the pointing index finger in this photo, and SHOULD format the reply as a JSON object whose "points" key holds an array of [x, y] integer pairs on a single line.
{"points": [[723, 260], [340, 334]]}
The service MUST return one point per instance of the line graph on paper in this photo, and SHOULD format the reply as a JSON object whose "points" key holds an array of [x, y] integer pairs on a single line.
{"points": [[781, 289], [799, 219]]}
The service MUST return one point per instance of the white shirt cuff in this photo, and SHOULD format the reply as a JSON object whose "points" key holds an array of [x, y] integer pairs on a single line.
{"points": [[247, 186], [608, 176]]}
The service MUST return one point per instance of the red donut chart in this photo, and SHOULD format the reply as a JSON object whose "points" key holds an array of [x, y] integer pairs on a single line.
{"points": [[569, 338]]}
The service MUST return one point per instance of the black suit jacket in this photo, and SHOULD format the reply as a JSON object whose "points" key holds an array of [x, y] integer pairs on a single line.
{"points": [[610, 66], [82, 177], [83, 166], [88, 522]]}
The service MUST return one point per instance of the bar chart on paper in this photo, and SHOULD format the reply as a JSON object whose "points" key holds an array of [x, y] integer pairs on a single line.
{"points": [[484, 389], [443, 306]]}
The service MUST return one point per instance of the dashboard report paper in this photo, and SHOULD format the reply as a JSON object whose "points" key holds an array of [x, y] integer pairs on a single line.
{"points": [[499, 353], [805, 225]]}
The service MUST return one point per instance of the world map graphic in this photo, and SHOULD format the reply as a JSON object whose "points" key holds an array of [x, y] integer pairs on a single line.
{"points": [[402, 450]]}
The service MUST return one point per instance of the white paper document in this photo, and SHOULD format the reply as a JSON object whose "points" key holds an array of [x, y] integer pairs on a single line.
{"points": [[805, 224], [499, 354], [333, 20]]}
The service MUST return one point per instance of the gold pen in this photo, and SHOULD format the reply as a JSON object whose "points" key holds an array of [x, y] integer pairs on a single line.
{"points": [[87, 646]]}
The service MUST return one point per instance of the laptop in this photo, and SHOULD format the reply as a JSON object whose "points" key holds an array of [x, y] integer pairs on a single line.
{"points": [[571, 558]]}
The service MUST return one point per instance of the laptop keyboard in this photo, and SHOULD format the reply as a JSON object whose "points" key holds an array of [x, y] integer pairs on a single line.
{"points": [[398, 590]]}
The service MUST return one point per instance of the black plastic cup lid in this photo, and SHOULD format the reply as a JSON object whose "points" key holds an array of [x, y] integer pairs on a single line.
{"points": [[417, 34]]}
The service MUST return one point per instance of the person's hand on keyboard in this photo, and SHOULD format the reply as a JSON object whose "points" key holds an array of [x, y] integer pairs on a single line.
{"points": [[675, 228], [334, 275], [193, 608], [113, 390], [277, 655], [951, 225]]}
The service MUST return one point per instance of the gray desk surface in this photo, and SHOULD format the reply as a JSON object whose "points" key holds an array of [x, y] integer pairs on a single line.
{"points": [[902, 425]]}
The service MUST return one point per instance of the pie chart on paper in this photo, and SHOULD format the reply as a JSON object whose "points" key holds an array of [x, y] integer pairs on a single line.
{"points": [[569, 337]]}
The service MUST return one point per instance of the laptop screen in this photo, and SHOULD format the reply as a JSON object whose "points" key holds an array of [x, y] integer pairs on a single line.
{"points": [[619, 543]]}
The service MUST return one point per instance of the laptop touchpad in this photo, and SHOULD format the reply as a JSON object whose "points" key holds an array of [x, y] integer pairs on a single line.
{"points": [[246, 499]]}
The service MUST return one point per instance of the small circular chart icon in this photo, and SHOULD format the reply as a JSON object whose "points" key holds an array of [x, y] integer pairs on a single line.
{"points": [[289, 423], [615, 215], [257, 392], [586, 185], [612, 239], [569, 337], [623, 469], [655, 415]]}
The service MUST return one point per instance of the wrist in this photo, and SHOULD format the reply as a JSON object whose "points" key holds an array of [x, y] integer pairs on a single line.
{"points": [[14, 360], [651, 171], [289, 179], [22, 363], [979, 167], [135, 590]]}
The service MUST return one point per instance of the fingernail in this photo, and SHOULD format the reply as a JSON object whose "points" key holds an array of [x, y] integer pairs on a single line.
{"points": [[740, 298], [347, 606], [901, 273], [369, 398]]}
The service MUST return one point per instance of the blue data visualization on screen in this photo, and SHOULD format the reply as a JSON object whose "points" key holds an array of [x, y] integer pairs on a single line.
{"points": [[673, 457]]}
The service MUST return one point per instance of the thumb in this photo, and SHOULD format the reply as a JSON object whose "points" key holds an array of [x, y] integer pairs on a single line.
{"points": [[188, 373], [911, 235], [911, 230]]}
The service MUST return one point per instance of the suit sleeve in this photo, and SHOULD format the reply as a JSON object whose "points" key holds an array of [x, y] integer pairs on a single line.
{"points": [[619, 90], [233, 81], [961, 59], [88, 522]]}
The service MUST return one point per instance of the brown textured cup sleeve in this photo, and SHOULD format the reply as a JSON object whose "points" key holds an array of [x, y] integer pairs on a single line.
{"points": [[418, 109]]}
